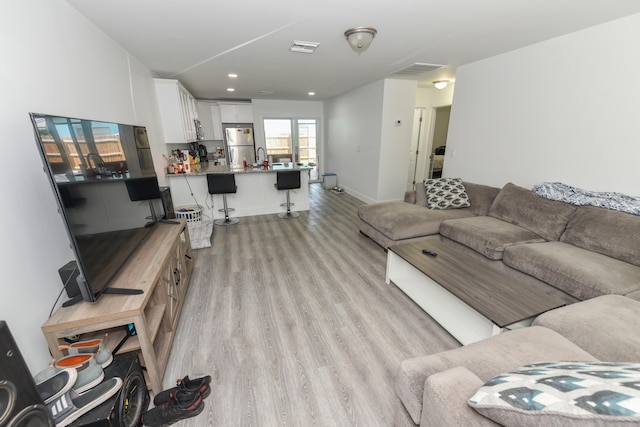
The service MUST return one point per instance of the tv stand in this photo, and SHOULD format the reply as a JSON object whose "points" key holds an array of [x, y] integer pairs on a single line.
{"points": [[152, 286]]}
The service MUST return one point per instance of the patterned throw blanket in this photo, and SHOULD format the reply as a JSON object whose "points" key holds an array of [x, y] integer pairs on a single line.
{"points": [[577, 196]]}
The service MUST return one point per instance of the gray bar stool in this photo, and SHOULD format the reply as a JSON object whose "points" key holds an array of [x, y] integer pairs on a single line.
{"points": [[223, 183], [288, 180]]}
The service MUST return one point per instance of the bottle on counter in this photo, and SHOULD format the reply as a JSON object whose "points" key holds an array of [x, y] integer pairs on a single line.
{"points": [[244, 163], [270, 161]]}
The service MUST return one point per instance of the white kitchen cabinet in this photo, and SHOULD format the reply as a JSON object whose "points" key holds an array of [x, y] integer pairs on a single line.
{"points": [[209, 115], [236, 113], [177, 111]]}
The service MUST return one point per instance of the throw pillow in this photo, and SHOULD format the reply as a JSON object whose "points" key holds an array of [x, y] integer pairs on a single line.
{"points": [[446, 193], [563, 393]]}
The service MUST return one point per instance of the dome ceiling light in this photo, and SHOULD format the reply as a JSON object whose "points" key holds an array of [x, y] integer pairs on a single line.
{"points": [[441, 84], [360, 38]]}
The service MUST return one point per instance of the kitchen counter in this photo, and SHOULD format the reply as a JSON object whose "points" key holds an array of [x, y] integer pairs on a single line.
{"points": [[256, 194], [208, 167]]}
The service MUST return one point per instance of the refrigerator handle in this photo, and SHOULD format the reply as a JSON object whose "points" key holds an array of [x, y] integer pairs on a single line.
{"points": [[230, 158]]}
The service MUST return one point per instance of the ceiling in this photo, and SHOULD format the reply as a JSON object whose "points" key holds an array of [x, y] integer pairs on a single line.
{"points": [[200, 42]]}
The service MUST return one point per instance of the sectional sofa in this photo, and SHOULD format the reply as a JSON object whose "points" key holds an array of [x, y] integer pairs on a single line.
{"points": [[587, 254], [581, 251], [435, 390]]}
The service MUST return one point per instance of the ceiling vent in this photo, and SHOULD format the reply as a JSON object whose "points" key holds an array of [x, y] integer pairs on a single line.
{"points": [[417, 68], [303, 47]]}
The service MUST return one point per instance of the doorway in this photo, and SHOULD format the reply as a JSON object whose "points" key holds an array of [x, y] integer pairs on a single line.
{"points": [[418, 141], [439, 140]]}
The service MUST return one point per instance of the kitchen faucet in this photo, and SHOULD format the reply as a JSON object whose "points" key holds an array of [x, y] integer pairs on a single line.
{"points": [[257, 154]]}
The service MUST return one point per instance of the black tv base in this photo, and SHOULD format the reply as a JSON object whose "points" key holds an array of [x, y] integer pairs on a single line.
{"points": [[113, 291]]}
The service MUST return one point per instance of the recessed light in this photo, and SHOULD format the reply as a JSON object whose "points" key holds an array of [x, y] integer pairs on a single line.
{"points": [[230, 89], [232, 75], [311, 93]]}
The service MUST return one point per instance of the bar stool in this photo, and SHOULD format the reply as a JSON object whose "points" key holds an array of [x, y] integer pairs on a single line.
{"points": [[288, 180], [223, 183]]}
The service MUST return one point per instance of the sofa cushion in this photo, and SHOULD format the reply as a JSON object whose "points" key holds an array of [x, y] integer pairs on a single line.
{"points": [[400, 220], [487, 235], [480, 197], [445, 399], [519, 206], [612, 233], [607, 326], [580, 273], [446, 193], [485, 359], [562, 393]]}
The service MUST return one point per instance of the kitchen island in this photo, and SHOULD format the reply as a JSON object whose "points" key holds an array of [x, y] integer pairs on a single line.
{"points": [[256, 195]]}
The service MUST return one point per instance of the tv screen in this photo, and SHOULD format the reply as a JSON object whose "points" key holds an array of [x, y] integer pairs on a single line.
{"points": [[89, 164]]}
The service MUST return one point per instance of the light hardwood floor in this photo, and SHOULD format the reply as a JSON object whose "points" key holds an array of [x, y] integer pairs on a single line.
{"points": [[296, 324]]}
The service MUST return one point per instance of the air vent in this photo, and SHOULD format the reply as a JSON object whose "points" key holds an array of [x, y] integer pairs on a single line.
{"points": [[303, 47], [417, 68]]}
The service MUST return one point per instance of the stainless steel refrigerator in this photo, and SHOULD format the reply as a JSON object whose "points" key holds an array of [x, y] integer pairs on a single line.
{"points": [[239, 144]]}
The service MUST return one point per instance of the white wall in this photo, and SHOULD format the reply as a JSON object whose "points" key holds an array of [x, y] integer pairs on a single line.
{"points": [[364, 147], [562, 110], [398, 106], [55, 62], [353, 139]]}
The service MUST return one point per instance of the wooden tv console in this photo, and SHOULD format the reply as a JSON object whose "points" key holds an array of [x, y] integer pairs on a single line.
{"points": [[161, 267]]}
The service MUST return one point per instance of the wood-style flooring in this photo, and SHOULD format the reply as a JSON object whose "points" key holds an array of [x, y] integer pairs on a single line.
{"points": [[295, 323]]}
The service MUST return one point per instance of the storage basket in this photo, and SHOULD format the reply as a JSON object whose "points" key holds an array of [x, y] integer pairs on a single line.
{"points": [[190, 213]]}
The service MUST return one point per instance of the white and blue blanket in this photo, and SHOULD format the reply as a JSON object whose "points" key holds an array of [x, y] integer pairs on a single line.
{"points": [[577, 196]]}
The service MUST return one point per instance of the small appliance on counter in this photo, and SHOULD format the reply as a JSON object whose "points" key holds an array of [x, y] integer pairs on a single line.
{"points": [[203, 153]]}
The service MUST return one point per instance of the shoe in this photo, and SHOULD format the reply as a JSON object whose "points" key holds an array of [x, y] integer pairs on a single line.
{"points": [[57, 385], [197, 385], [71, 405], [180, 406], [97, 347], [90, 373]]}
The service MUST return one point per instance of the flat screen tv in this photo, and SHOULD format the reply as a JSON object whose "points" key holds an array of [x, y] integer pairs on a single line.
{"points": [[103, 179]]}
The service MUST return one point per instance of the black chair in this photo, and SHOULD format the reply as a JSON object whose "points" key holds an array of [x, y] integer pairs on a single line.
{"points": [[223, 183], [288, 180]]}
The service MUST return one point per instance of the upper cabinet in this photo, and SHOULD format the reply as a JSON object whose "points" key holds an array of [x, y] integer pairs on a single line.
{"points": [[209, 114], [236, 113], [178, 111]]}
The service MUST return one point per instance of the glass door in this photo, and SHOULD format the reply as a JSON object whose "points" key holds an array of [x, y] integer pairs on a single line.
{"points": [[293, 140], [307, 137]]}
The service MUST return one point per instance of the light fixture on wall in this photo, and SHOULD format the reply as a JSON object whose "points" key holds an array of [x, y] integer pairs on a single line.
{"points": [[441, 84], [360, 38]]}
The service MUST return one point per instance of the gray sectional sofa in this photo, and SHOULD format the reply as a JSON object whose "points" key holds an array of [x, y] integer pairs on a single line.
{"points": [[588, 255], [581, 251], [435, 389]]}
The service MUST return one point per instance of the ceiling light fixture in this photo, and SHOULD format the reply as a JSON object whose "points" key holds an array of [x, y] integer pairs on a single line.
{"points": [[441, 84], [230, 89], [360, 38], [311, 93], [232, 75]]}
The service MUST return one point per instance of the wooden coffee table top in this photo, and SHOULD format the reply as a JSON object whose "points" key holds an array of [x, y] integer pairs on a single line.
{"points": [[501, 299]]}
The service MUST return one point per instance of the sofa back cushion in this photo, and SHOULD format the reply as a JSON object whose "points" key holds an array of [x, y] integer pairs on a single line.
{"points": [[480, 196], [519, 206], [612, 233]]}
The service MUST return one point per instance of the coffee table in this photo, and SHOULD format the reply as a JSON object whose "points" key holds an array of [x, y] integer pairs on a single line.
{"points": [[470, 299]]}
